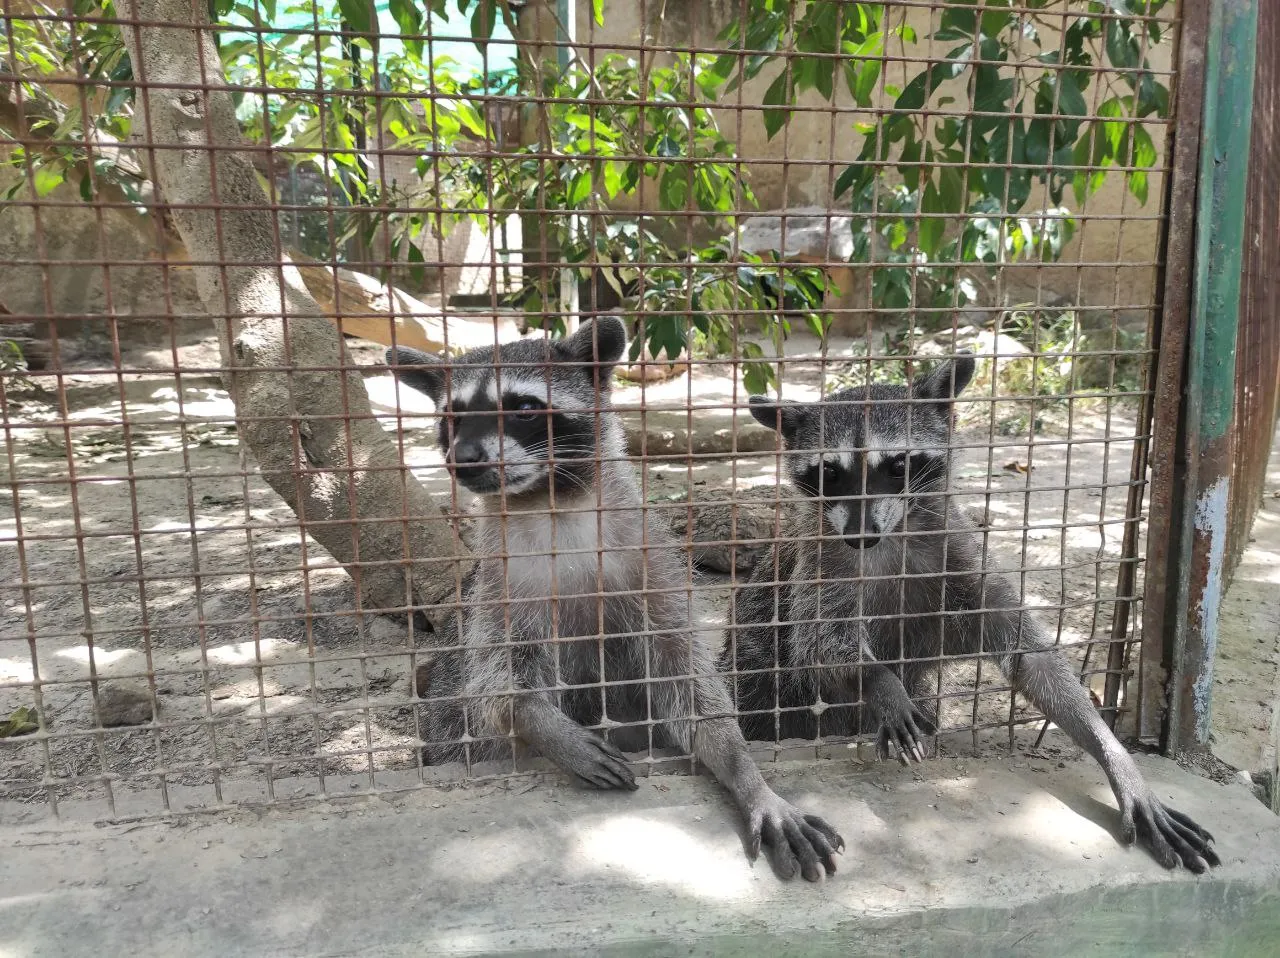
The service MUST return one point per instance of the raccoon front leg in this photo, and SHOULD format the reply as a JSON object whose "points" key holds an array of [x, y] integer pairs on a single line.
{"points": [[1041, 673], [698, 718], [589, 758], [902, 727], [514, 700]]}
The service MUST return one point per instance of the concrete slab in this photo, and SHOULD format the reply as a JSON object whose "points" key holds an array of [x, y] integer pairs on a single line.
{"points": [[1010, 855]]}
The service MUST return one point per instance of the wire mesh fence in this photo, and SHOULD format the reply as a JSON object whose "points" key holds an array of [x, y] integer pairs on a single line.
{"points": [[244, 563]]}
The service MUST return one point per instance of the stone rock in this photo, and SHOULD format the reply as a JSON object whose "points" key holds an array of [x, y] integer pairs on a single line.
{"points": [[813, 234], [730, 533], [124, 704], [667, 433]]}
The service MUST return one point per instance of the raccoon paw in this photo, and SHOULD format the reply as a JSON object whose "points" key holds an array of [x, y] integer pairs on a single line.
{"points": [[1171, 837], [795, 842], [903, 731], [595, 763]]}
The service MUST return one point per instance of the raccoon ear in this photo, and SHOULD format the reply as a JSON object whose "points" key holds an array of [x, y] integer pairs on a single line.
{"points": [[418, 370], [605, 333], [782, 415], [947, 380]]}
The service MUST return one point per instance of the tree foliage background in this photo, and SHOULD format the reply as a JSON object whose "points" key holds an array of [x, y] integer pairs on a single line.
{"points": [[1048, 92]]}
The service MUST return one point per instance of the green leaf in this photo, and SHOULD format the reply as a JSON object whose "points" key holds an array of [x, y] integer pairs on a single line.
{"points": [[483, 21], [673, 189], [824, 75], [470, 117], [1144, 150], [1035, 144], [22, 721], [865, 85], [579, 190], [994, 21], [858, 174], [1138, 186], [909, 164], [1080, 159], [408, 21], [776, 95], [612, 176], [1070, 99], [951, 189], [916, 93], [48, 178], [597, 12], [818, 323], [357, 14], [417, 265], [1122, 51], [931, 228], [957, 24]]}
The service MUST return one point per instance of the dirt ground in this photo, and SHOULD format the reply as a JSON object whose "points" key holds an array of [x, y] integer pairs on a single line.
{"points": [[169, 563]]}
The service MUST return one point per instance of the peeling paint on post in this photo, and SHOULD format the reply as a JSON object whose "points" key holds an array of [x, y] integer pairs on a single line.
{"points": [[1210, 393], [1211, 517]]}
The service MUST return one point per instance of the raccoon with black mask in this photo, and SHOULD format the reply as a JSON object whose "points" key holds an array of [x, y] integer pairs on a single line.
{"points": [[577, 617], [895, 574]]}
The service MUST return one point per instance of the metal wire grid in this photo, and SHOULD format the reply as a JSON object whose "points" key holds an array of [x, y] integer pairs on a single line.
{"points": [[267, 679]]}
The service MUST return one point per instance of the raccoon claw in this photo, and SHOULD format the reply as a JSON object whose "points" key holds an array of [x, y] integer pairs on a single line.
{"points": [[795, 842], [903, 735], [599, 764], [1171, 837]]}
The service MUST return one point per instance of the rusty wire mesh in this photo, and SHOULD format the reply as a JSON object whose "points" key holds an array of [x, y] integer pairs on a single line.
{"points": [[150, 575]]}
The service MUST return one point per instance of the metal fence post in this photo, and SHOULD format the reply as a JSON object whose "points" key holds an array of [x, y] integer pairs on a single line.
{"points": [[1198, 555]]}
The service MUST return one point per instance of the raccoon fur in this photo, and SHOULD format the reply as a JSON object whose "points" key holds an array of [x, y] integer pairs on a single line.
{"points": [[576, 633], [841, 632]]}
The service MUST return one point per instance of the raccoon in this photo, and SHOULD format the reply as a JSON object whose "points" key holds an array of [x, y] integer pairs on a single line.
{"points": [[892, 580], [577, 617]]}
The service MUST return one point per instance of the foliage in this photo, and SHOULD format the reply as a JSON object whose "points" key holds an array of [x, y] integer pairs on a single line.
{"points": [[13, 367], [78, 148], [940, 192], [981, 160], [648, 141]]}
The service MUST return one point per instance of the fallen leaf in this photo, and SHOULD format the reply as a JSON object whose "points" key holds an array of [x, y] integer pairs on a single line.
{"points": [[22, 722]]}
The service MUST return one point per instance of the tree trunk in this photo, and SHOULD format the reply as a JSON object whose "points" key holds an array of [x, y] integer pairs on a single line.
{"points": [[310, 427]]}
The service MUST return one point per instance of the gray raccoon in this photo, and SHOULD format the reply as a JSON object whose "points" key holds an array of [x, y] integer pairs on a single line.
{"points": [[893, 582], [577, 612]]}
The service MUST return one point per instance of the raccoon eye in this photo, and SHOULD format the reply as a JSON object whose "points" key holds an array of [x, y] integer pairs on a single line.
{"points": [[897, 466], [830, 474], [526, 410]]}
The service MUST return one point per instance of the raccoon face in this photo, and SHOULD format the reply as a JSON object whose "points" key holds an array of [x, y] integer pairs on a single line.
{"points": [[870, 454], [523, 418]]}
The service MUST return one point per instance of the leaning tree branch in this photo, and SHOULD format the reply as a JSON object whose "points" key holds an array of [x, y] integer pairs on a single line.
{"points": [[311, 428]]}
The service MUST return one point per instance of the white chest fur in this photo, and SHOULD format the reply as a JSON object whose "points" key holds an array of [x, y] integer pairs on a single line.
{"points": [[571, 552]]}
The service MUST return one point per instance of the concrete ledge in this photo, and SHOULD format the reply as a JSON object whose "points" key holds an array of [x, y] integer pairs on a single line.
{"points": [[1011, 855]]}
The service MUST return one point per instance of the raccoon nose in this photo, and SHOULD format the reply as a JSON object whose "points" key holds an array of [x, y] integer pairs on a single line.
{"points": [[467, 453], [469, 460], [861, 542], [866, 534]]}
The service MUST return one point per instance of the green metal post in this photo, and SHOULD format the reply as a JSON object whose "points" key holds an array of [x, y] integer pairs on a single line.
{"points": [[1199, 555]]}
